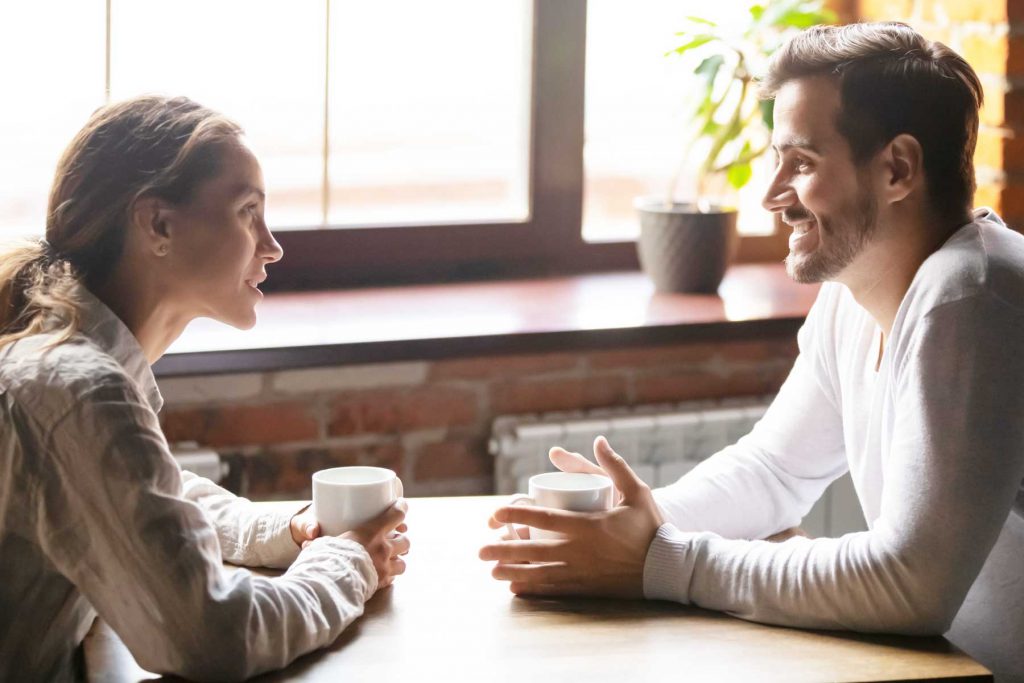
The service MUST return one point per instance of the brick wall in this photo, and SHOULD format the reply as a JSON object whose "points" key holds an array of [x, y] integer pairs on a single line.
{"points": [[431, 421], [989, 34]]}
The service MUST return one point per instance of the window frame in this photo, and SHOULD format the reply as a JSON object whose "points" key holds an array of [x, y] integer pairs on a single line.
{"points": [[549, 242]]}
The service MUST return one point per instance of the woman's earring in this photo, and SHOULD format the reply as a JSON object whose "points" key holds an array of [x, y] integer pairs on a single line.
{"points": [[162, 250]]}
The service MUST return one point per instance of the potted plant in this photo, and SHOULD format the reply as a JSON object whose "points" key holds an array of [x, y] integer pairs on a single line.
{"points": [[686, 247]]}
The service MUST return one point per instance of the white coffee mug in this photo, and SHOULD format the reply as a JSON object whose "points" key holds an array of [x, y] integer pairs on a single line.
{"points": [[345, 497], [572, 491]]}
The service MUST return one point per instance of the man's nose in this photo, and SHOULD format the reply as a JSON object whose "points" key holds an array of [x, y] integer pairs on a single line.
{"points": [[780, 194]]}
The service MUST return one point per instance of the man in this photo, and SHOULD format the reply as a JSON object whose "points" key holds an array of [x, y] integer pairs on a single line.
{"points": [[910, 375]]}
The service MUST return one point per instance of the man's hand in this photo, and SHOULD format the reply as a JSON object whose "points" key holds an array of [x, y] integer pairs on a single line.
{"points": [[385, 541], [603, 553]]}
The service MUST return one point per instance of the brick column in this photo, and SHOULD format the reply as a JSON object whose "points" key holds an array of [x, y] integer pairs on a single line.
{"points": [[989, 34]]}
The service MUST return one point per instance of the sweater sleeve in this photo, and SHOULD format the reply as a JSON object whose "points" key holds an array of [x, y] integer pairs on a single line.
{"points": [[952, 473], [771, 478], [113, 521], [249, 535]]}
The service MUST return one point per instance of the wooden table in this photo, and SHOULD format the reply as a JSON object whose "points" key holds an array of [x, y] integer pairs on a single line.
{"points": [[447, 619]]}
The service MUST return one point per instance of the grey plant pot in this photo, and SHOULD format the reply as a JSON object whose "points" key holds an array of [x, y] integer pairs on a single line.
{"points": [[682, 249]]}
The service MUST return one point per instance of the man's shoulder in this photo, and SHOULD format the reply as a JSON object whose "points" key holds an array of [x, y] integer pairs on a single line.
{"points": [[982, 260]]}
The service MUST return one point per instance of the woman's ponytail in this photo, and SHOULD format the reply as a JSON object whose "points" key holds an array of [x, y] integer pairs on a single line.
{"points": [[36, 284]]}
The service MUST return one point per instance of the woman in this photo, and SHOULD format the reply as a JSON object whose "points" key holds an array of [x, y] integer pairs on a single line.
{"points": [[155, 218]]}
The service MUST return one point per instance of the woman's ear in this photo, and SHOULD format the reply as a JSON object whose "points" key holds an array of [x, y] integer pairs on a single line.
{"points": [[903, 163], [150, 220]]}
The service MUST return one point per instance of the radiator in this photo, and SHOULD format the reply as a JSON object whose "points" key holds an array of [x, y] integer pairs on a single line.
{"points": [[661, 444], [201, 461]]}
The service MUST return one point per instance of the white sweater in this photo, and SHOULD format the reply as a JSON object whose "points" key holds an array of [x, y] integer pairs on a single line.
{"points": [[95, 516], [934, 442]]}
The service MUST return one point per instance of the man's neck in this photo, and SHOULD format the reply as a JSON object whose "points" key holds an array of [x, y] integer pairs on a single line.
{"points": [[882, 273]]}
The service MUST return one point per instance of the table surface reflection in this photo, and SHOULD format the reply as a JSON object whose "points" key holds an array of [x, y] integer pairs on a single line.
{"points": [[448, 619]]}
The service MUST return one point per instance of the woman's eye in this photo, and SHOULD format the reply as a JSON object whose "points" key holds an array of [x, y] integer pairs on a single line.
{"points": [[801, 165]]}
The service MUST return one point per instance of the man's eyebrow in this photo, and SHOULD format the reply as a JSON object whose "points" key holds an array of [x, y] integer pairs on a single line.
{"points": [[796, 143]]}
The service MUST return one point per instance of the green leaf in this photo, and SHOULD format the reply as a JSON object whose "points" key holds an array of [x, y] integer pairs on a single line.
{"points": [[709, 67], [799, 19], [702, 20], [711, 127], [739, 175], [767, 108], [756, 12], [695, 42]]}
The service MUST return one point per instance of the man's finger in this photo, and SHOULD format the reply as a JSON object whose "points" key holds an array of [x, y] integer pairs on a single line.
{"points": [[553, 573], [540, 590], [568, 461], [524, 551], [622, 475], [540, 518]]}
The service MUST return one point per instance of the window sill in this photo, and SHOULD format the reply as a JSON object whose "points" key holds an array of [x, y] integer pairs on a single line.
{"points": [[430, 322]]}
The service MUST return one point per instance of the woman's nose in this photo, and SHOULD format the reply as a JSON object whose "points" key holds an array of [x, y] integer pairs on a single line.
{"points": [[270, 250]]}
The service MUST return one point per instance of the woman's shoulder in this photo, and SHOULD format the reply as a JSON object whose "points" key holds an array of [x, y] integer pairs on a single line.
{"points": [[49, 378]]}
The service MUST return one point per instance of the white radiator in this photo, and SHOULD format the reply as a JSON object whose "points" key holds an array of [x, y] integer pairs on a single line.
{"points": [[661, 443], [201, 461]]}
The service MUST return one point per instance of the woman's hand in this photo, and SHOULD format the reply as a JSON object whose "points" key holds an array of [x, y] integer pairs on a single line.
{"points": [[304, 526], [384, 539]]}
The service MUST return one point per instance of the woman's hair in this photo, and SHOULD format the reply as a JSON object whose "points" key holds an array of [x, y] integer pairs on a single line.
{"points": [[892, 80], [153, 146]]}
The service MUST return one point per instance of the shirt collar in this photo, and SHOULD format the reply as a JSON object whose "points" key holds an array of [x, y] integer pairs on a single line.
{"points": [[102, 326]]}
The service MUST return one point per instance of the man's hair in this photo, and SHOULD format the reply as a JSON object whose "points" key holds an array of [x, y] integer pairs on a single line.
{"points": [[891, 81]]}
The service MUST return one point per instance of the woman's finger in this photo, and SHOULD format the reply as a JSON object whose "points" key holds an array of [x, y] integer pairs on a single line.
{"points": [[396, 566], [399, 545]]}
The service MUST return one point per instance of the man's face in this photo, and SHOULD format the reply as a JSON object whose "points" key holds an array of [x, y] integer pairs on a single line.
{"points": [[817, 189]]}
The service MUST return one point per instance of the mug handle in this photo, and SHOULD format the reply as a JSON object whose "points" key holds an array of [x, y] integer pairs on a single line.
{"points": [[518, 499]]}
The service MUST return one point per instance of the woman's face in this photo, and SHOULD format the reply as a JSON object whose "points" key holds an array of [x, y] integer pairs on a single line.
{"points": [[220, 245]]}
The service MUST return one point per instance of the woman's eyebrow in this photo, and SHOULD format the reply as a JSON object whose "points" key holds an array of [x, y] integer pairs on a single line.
{"points": [[246, 188]]}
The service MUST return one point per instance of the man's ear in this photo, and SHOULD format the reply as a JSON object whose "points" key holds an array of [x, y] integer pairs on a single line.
{"points": [[151, 221], [903, 164]]}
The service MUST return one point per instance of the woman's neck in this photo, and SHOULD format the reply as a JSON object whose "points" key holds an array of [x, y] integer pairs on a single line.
{"points": [[150, 317]]}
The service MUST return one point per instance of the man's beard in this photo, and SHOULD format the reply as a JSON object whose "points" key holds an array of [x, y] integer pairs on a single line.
{"points": [[838, 242]]}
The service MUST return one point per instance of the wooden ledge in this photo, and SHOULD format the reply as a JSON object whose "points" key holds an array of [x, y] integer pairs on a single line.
{"points": [[429, 322]]}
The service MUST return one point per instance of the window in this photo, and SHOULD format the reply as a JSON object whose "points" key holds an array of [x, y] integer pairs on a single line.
{"points": [[636, 106], [401, 141], [51, 79]]}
